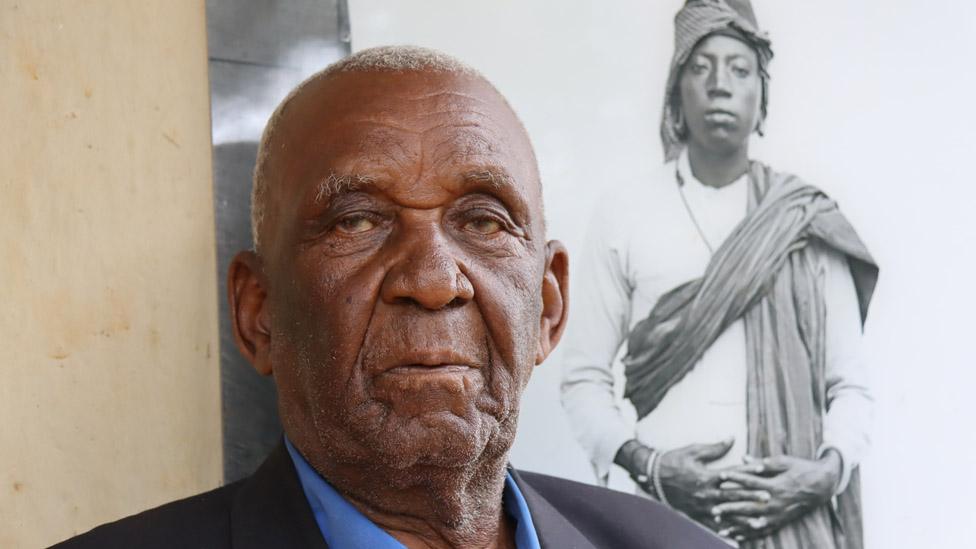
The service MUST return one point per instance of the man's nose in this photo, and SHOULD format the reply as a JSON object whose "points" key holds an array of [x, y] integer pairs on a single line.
{"points": [[718, 83], [426, 273]]}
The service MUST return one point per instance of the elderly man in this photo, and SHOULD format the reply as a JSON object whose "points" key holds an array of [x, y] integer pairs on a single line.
{"points": [[740, 294], [401, 291]]}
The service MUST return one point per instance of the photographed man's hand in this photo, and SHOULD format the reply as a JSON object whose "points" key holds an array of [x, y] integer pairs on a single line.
{"points": [[691, 487], [789, 488]]}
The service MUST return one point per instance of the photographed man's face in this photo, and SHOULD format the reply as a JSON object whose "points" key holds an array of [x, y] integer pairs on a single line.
{"points": [[721, 90], [404, 263]]}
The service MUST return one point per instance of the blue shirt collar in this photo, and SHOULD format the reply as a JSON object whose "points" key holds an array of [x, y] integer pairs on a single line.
{"points": [[343, 526]]}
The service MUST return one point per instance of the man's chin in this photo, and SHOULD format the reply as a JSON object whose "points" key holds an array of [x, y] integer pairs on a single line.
{"points": [[439, 439]]}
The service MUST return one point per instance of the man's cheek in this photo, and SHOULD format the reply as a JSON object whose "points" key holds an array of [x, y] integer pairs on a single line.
{"points": [[510, 300], [522, 309], [340, 309], [510, 374]]}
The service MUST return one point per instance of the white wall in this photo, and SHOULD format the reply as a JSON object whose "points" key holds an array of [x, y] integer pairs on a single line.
{"points": [[871, 100]]}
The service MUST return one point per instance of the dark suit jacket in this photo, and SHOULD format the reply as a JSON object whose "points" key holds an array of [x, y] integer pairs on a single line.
{"points": [[269, 510]]}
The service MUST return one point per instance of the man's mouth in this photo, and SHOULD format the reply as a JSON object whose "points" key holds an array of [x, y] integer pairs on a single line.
{"points": [[441, 377], [720, 116], [429, 362], [430, 369]]}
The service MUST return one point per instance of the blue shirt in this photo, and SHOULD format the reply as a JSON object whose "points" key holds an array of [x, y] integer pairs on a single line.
{"points": [[344, 527]]}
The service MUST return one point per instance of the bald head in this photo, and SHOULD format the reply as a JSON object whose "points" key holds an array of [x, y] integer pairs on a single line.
{"points": [[371, 79]]}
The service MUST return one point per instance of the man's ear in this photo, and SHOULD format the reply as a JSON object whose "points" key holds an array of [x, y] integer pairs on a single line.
{"points": [[247, 298], [555, 299]]}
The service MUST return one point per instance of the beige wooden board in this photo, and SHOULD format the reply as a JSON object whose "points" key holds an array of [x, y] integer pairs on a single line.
{"points": [[109, 399]]}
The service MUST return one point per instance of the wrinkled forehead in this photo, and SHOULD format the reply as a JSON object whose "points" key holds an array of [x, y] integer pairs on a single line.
{"points": [[354, 118]]}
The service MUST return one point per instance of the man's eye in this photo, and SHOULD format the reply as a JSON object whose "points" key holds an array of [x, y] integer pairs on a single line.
{"points": [[354, 224], [483, 225], [740, 72]]}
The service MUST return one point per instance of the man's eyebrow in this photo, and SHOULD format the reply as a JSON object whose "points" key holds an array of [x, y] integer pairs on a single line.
{"points": [[728, 57], [495, 177], [732, 56], [340, 183]]}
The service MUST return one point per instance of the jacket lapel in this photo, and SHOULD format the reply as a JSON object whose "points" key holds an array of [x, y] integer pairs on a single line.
{"points": [[554, 530], [270, 509]]}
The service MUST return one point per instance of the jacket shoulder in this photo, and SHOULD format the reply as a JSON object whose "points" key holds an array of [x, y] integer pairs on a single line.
{"points": [[200, 521], [609, 518]]}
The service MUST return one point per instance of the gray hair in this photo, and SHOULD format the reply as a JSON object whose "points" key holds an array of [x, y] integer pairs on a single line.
{"points": [[380, 59]]}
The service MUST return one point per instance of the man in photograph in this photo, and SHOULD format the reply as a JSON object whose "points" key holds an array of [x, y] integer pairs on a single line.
{"points": [[740, 293]]}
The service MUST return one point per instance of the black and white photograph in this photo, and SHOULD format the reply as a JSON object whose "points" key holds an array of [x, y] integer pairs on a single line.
{"points": [[741, 322]]}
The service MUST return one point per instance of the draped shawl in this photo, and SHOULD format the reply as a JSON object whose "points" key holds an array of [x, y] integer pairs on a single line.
{"points": [[768, 273]]}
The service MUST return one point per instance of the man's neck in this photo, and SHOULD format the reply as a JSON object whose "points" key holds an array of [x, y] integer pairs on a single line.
{"points": [[717, 170], [429, 507]]}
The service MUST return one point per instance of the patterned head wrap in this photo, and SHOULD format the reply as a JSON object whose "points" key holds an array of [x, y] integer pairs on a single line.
{"points": [[695, 21]]}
